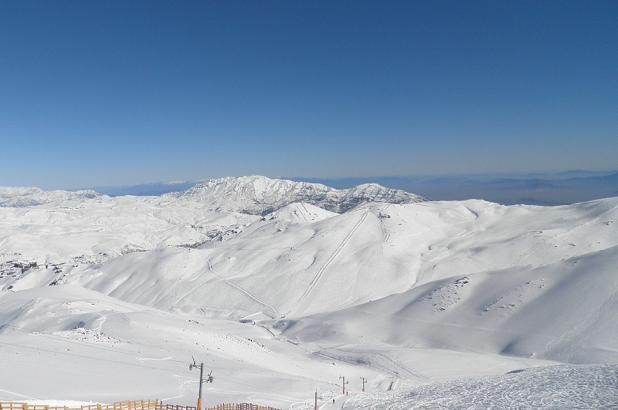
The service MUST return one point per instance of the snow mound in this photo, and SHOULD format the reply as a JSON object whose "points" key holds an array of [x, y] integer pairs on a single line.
{"points": [[262, 195]]}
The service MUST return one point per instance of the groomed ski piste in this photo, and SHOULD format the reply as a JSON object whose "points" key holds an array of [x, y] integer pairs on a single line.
{"points": [[282, 287], [552, 387]]}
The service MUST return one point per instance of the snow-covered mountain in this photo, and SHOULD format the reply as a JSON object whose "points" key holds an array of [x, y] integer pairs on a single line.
{"points": [[260, 195], [29, 196], [274, 291], [62, 226]]}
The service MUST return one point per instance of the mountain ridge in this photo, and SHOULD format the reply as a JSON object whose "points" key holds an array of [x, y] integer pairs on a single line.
{"points": [[255, 194], [260, 195]]}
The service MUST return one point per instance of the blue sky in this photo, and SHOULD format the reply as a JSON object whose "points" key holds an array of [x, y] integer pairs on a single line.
{"points": [[122, 92]]}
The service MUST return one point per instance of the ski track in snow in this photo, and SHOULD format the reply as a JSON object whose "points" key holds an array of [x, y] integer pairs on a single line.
{"points": [[20, 395], [306, 213], [244, 291], [182, 383], [330, 260], [396, 369], [275, 313]]}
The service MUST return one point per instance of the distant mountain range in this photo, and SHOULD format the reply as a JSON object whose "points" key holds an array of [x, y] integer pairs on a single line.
{"points": [[28, 196], [531, 188], [255, 195], [261, 195]]}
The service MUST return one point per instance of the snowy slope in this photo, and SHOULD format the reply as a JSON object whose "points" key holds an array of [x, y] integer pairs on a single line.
{"points": [[283, 295], [128, 350], [553, 387], [94, 228], [70, 343], [374, 251], [563, 311]]}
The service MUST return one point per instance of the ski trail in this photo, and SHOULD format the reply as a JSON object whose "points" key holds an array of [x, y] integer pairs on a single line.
{"points": [[307, 216], [182, 382], [101, 321], [244, 291], [386, 235], [388, 364], [330, 260], [156, 359], [306, 212], [23, 396], [400, 368], [193, 290], [275, 312]]}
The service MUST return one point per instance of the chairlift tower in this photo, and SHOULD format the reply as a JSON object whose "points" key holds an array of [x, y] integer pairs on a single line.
{"points": [[208, 379], [343, 383]]}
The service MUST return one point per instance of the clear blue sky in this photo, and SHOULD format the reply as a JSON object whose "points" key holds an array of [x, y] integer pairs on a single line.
{"points": [[121, 92]]}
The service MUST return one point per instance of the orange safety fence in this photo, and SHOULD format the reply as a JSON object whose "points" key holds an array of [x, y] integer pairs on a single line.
{"points": [[121, 405], [239, 406]]}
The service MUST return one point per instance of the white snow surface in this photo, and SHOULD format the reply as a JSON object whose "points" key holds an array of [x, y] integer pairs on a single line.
{"points": [[552, 387], [280, 296]]}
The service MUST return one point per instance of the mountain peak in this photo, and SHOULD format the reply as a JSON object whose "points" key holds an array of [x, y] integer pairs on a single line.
{"points": [[256, 194]]}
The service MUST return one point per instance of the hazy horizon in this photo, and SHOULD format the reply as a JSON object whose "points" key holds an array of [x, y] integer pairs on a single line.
{"points": [[557, 188]]}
